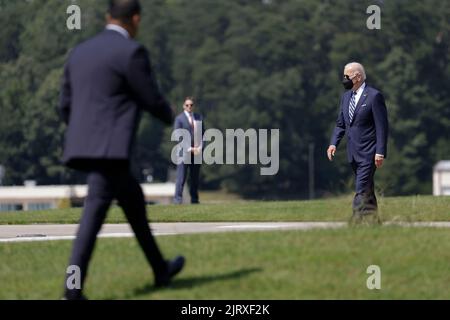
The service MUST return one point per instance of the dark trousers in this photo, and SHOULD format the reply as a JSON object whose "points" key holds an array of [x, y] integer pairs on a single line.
{"points": [[105, 185], [365, 201], [182, 171]]}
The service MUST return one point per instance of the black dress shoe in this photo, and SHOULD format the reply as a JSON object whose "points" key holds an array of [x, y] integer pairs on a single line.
{"points": [[173, 267]]}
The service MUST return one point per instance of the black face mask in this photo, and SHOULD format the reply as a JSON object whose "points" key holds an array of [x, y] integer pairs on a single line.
{"points": [[347, 83]]}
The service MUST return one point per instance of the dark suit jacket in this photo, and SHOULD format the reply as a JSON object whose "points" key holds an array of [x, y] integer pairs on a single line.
{"points": [[182, 122], [107, 83], [367, 134]]}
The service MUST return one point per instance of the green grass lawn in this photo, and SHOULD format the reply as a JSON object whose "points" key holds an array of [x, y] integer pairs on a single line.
{"points": [[413, 208], [316, 264]]}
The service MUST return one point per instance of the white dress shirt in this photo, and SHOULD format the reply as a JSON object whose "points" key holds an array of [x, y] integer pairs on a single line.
{"points": [[359, 93], [190, 116], [118, 29]]}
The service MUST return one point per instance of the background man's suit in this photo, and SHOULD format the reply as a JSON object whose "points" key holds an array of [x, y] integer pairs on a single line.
{"points": [[182, 122], [367, 135], [107, 83]]}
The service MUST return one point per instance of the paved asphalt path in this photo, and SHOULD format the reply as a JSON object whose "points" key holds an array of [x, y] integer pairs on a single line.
{"points": [[48, 232]]}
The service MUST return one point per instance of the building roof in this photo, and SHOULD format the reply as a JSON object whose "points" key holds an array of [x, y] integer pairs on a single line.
{"points": [[443, 165]]}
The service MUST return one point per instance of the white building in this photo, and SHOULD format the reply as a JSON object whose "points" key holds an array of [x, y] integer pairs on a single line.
{"points": [[441, 178], [32, 197]]}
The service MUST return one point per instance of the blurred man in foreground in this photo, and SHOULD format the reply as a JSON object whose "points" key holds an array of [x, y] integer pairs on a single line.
{"points": [[107, 83]]}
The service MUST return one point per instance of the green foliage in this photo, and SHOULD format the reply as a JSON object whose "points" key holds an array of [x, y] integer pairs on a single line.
{"points": [[251, 65], [266, 265], [391, 209]]}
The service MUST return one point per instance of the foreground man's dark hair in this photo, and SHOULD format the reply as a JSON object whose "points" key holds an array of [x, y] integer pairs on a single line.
{"points": [[124, 10]]}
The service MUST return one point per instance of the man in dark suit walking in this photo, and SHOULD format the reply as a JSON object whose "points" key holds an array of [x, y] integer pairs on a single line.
{"points": [[363, 118], [193, 122], [107, 83]]}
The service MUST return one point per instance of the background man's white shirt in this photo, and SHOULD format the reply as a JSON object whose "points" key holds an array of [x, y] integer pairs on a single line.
{"points": [[190, 116]]}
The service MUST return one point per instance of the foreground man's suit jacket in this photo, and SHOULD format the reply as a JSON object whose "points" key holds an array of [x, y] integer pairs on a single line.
{"points": [[108, 82]]}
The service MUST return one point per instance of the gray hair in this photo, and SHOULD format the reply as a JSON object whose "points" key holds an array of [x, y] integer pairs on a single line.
{"points": [[357, 67]]}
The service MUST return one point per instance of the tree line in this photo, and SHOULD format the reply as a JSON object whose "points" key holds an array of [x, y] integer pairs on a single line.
{"points": [[250, 64]]}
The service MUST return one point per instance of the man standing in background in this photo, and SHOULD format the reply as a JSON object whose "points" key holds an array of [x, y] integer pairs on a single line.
{"points": [[363, 117], [193, 122], [107, 83]]}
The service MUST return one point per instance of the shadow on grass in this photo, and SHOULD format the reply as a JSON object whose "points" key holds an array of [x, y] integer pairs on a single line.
{"points": [[190, 282]]}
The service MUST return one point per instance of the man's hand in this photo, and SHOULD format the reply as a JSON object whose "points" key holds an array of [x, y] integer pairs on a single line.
{"points": [[330, 152], [196, 150], [379, 160]]}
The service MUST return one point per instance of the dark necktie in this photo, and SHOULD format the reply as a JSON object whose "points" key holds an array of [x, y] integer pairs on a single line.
{"points": [[352, 106]]}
